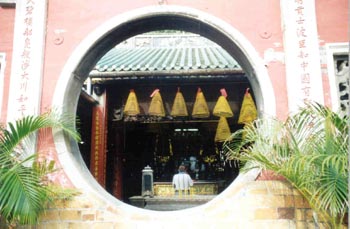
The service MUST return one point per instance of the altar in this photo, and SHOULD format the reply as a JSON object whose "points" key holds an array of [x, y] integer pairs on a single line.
{"points": [[164, 198], [200, 187]]}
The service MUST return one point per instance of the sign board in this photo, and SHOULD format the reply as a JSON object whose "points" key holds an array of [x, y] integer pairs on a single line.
{"points": [[28, 54], [302, 55]]}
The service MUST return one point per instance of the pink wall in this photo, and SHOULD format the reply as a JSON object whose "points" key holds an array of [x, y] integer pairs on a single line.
{"points": [[7, 16], [333, 20], [333, 26], [259, 24], [259, 21]]}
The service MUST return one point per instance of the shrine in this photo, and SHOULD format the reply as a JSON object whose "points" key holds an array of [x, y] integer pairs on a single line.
{"points": [[163, 115], [143, 79]]}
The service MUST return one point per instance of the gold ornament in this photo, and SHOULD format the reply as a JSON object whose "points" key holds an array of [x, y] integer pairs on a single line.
{"points": [[200, 107], [222, 107], [248, 111], [156, 107], [223, 131], [131, 106], [179, 108]]}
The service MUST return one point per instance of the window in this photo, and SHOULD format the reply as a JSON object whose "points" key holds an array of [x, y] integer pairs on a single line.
{"points": [[338, 72], [341, 66]]}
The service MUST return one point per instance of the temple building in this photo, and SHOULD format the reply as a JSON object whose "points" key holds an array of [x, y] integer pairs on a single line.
{"points": [[156, 84], [171, 62]]}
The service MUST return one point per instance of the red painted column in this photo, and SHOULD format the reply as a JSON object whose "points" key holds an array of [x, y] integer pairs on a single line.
{"points": [[118, 164], [98, 142]]}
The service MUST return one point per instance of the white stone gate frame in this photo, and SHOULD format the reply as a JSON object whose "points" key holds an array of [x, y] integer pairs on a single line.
{"points": [[70, 83], [302, 57], [27, 58]]}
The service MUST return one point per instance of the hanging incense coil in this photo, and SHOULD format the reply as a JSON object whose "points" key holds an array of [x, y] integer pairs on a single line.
{"points": [[223, 131], [156, 107], [200, 107], [179, 108], [222, 107], [131, 106], [248, 111]]}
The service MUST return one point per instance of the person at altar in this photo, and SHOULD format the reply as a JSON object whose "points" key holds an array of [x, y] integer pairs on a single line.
{"points": [[182, 181]]}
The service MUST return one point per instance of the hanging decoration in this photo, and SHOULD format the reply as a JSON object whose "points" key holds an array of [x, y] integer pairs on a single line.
{"points": [[132, 106], [223, 130], [179, 108], [156, 107], [248, 111], [200, 107], [222, 107]]}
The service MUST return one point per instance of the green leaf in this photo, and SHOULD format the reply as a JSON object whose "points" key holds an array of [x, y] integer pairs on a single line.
{"points": [[24, 190], [309, 149]]}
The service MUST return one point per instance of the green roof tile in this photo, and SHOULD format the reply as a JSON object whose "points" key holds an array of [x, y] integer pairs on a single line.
{"points": [[143, 59]]}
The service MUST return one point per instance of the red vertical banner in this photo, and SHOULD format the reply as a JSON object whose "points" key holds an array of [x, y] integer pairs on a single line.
{"points": [[105, 131], [99, 142]]}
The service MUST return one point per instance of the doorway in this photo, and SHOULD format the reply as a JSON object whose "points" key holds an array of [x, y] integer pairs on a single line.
{"points": [[119, 29], [172, 62]]}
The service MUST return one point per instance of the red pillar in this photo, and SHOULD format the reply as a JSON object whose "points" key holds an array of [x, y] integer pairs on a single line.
{"points": [[118, 163], [99, 141]]}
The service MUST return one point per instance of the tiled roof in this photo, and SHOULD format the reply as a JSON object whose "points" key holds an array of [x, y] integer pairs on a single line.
{"points": [[157, 59]]}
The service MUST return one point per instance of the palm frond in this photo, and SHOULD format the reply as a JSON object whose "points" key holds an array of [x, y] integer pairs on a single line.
{"points": [[309, 149], [28, 125], [23, 190], [21, 194]]}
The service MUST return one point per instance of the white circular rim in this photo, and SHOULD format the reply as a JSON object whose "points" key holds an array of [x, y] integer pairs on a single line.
{"points": [[76, 171]]}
